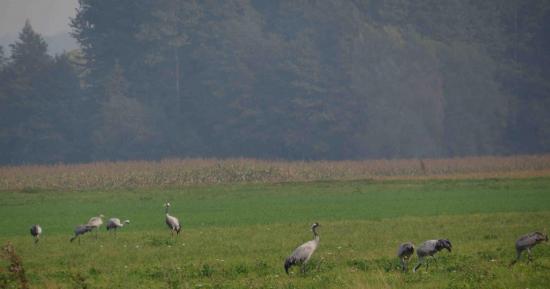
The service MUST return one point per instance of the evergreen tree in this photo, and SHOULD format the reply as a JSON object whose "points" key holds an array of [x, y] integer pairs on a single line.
{"points": [[29, 54], [23, 98], [2, 58], [124, 129]]}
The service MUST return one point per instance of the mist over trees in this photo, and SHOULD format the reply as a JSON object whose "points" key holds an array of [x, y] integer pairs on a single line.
{"points": [[299, 79]]}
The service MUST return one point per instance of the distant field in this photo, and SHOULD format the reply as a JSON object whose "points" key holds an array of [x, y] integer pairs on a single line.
{"points": [[178, 173], [237, 235]]}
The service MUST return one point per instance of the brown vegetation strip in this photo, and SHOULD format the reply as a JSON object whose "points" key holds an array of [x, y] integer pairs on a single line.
{"points": [[184, 172]]}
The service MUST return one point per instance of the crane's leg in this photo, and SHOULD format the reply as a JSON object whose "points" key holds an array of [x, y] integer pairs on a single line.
{"points": [[427, 263], [529, 257], [418, 264], [518, 255], [403, 265]]}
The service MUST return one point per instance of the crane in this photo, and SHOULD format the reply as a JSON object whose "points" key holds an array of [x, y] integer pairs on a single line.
{"points": [[302, 254], [429, 248], [36, 231], [114, 224], [172, 222], [404, 252], [526, 242]]}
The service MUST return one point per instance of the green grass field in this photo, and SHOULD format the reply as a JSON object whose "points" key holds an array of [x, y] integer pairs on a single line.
{"points": [[237, 236]]}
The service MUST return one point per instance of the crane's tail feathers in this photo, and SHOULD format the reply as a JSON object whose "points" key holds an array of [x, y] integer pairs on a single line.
{"points": [[288, 263]]}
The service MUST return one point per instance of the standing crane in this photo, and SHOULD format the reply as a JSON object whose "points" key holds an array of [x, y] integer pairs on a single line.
{"points": [[429, 248], [302, 254], [81, 230], [526, 242], [95, 223], [114, 224], [172, 222], [405, 251], [36, 231]]}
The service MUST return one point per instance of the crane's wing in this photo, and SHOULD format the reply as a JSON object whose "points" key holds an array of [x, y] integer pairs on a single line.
{"points": [[529, 239], [172, 222], [427, 248], [303, 252]]}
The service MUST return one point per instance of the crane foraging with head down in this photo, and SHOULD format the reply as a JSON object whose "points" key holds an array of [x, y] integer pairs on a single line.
{"points": [[172, 222], [302, 254], [405, 251], [429, 248], [114, 223], [36, 231], [526, 242], [81, 230]]}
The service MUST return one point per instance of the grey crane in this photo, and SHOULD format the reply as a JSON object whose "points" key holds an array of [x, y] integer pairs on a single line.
{"points": [[526, 242], [114, 223], [429, 248], [81, 230], [404, 252], [172, 222], [36, 231], [302, 254], [95, 223]]}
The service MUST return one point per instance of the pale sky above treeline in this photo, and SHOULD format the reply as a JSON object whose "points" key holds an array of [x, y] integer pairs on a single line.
{"points": [[48, 17]]}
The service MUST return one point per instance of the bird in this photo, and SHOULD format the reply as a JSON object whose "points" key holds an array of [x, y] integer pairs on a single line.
{"points": [[526, 242], [172, 222], [302, 254], [429, 248], [404, 252], [95, 223], [114, 224], [81, 230], [36, 231]]}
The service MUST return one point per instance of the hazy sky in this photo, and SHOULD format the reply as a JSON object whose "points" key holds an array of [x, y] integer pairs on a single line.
{"points": [[47, 16]]}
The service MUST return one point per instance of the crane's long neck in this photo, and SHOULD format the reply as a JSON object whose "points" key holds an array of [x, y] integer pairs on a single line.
{"points": [[315, 234]]}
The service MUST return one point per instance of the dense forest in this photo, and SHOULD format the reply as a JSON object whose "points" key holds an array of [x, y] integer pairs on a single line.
{"points": [[289, 79]]}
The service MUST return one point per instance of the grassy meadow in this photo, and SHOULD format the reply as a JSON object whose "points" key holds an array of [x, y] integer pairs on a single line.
{"points": [[236, 234]]}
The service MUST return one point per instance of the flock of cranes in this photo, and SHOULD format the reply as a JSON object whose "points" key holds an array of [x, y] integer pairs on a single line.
{"points": [[427, 249], [302, 254]]}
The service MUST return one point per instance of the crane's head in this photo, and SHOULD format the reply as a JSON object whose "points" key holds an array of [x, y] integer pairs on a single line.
{"points": [[127, 222], [540, 237], [315, 225], [101, 216], [443, 244], [167, 205]]}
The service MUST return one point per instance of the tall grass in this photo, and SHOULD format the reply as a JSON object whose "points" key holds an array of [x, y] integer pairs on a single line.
{"points": [[183, 172]]}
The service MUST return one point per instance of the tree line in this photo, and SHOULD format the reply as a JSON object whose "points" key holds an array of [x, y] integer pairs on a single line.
{"points": [[299, 79]]}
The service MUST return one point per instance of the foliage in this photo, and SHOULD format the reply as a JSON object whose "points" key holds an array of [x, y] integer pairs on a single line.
{"points": [[292, 79], [15, 276], [43, 110]]}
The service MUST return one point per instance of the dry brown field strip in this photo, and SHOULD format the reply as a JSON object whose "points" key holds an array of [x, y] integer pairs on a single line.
{"points": [[185, 172]]}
